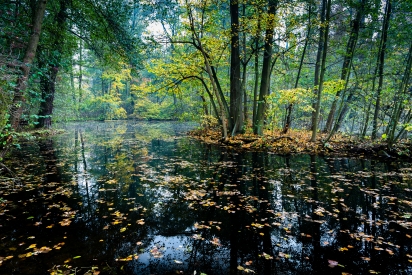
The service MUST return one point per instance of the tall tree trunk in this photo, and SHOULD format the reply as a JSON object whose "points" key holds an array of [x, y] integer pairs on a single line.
{"points": [[236, 110], [347, 62], [245, 61], [81, 70], [381, 63], [48, 81], [318, 58], [256, 85], [18, 98], [72, 83], [322, 71], [266, 68]]}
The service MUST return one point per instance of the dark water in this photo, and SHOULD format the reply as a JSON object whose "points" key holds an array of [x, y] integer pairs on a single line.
{"points": [[141, 198]]}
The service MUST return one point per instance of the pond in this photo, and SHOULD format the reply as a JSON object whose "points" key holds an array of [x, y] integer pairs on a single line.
{"points": [[143, 198]]}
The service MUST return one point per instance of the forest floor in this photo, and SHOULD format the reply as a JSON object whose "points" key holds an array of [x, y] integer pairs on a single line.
{"points": [[298, 142]]}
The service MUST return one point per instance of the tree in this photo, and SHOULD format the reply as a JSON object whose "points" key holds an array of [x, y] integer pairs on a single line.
{"points": [[380, 65], [236, 110], [320, 71], [50, 61], [266, 67], [19, 98]]}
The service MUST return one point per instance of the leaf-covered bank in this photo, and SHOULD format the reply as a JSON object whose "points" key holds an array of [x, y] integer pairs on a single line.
{"points": [[297, 142]]}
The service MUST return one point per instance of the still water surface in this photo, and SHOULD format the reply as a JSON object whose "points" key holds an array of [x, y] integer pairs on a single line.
{"points": [[142, 198]]}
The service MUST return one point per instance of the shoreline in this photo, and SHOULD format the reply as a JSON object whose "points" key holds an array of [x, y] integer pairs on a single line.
{"points": [[297, 142]]}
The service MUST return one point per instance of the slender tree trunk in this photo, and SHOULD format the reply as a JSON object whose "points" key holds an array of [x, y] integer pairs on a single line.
{"points": [[381, 62], [289, 109], [318, 59], [347, 62], [72, 83], [18, 99], [256, 86], [81, 70], [223, 112], [236, 110], [266, 68], [366, 124], [322, 71], [400, 97], [244, 73]]}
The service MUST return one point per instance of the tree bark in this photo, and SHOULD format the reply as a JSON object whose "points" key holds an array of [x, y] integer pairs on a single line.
{"points": [[236, 110], [256, 85], [322, 72], [48, 81], [266, 68], [18, 98], [318, 58], [381, 63]]}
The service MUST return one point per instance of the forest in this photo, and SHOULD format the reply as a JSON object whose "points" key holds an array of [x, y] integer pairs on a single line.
{"points": [[247, 66], [206, 137]]}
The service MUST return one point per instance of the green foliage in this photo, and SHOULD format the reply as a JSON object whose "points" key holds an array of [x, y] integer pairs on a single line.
{"points": [[277, 102], [105, 107]]}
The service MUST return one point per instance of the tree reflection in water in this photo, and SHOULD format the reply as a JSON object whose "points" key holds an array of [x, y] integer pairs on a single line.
{"points": [[140, 198]]}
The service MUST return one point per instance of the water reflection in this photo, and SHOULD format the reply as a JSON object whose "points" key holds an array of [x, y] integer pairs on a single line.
{"points": [[140, 198]]}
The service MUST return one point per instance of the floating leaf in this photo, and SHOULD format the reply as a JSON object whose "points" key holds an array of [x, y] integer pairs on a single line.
{"points": [[332, 263], [44, 249]]}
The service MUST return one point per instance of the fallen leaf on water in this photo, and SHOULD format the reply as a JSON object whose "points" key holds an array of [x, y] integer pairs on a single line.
{"points": [[216, 241], [284, 255], [31, 246], [332, 263], [267, 256], [65, 222], [44, 249]]}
